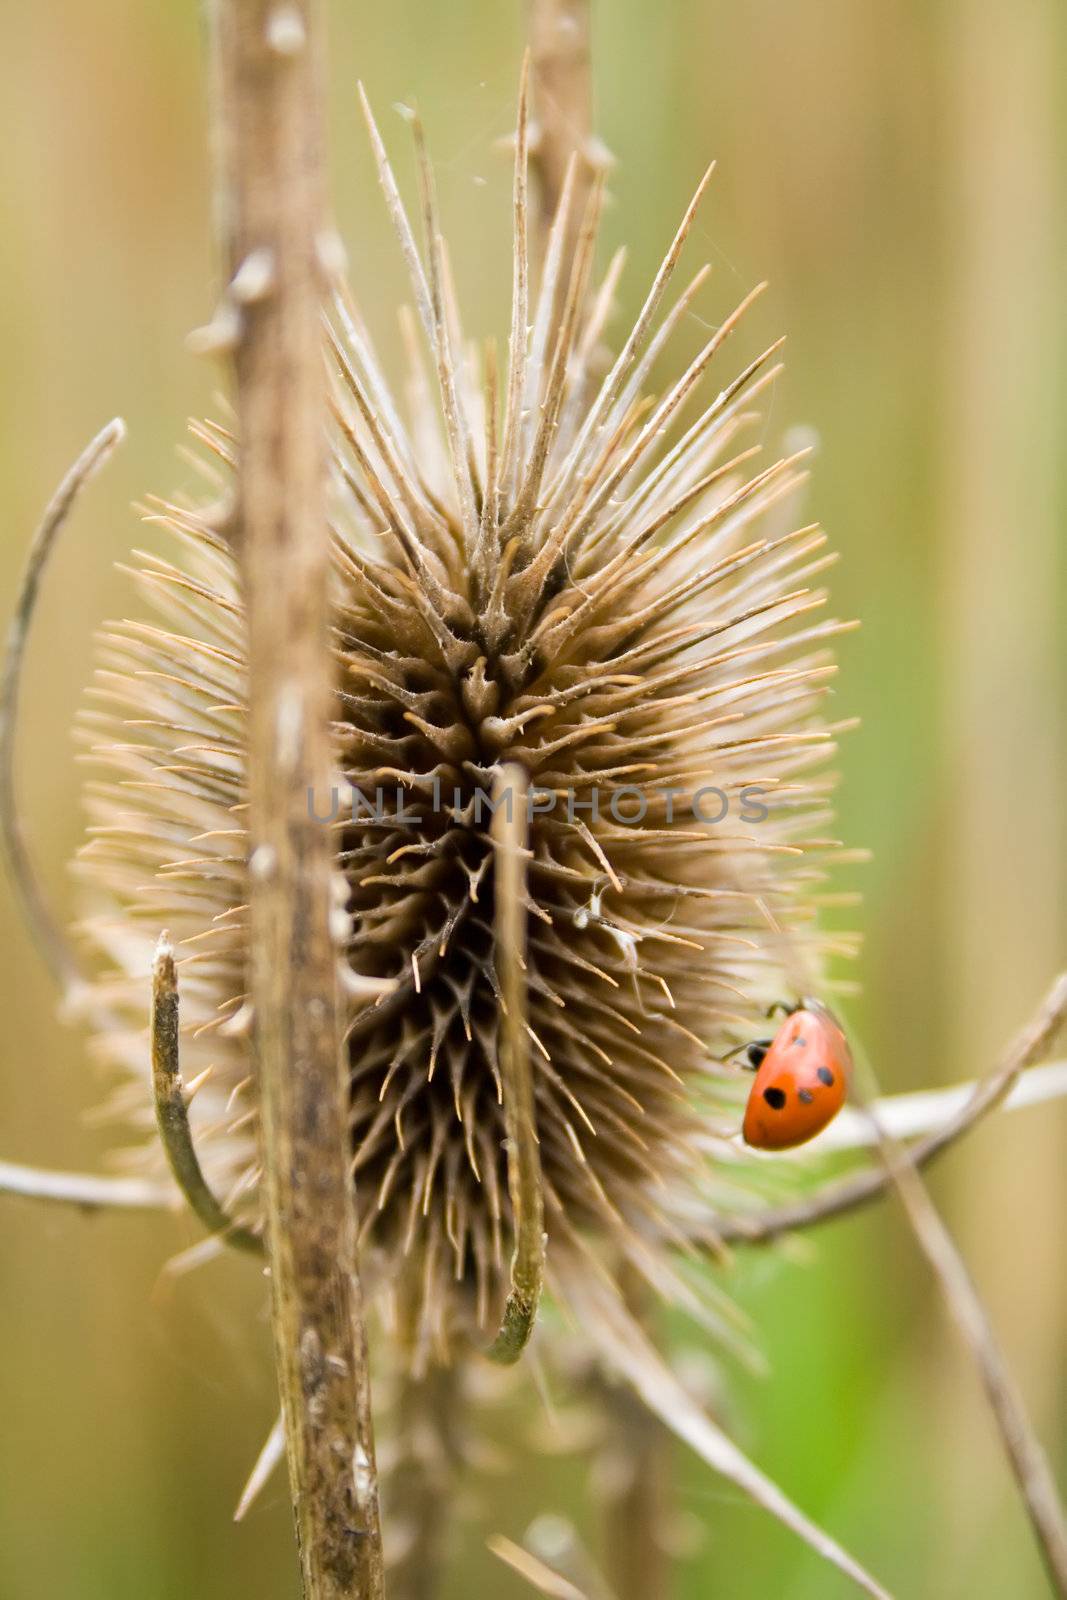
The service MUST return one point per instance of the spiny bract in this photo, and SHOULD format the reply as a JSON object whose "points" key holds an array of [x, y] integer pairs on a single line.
{"points": [[567, 575]]}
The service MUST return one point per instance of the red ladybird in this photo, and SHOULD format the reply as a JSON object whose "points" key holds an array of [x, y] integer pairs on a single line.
{"points": [[802, 1079]]}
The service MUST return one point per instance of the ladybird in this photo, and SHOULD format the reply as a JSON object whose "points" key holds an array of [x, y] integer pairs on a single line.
{"points": [[802, 1079]]}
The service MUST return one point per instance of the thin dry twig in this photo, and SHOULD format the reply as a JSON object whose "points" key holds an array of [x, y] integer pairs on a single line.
{"points": [[50, 938], [1025, 1452], [848, 1194], [270, 141], [510, 830], [172, 1114]]}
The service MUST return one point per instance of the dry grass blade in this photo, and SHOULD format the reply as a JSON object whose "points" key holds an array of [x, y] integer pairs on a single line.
{"points": [[172, 1115], [847, 1194], [510, 827], [51, 941]]}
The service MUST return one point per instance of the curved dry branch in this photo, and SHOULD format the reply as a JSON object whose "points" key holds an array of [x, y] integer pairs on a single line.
{"points": [[1025, 1453], [172, 1115], [848, 1194], [510, 829], [33, 902]]}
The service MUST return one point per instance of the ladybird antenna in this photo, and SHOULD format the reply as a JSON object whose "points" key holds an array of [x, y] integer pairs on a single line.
{"points": [[37, 912]]}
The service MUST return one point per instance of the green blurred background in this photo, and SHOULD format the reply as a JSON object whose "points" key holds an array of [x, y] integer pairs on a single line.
{"points": [[897, 169]]}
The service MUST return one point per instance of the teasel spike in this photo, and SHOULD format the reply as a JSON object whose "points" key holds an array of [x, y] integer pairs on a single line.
{"points": [[611, 387], [457, 426], [632, 388], [600, 310], [706, 436], [522, 512], [487, 529], [358, 339], [548, 295], [573, 528], [518, 338], [425, 516]]}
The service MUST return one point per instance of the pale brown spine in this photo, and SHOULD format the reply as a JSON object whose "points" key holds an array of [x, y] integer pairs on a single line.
{"points": [[273, 213]]}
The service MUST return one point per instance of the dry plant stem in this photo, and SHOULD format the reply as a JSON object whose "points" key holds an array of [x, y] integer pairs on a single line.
{"points": [[425, 1482], [837, 1199], [49, 936], [270, 144], [563, 106], [172, 1115], [1025, 1452], [637, 1504], [510, 830]]}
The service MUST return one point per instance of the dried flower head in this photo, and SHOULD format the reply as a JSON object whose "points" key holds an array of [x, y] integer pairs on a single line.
{"points": [[566, 572]]}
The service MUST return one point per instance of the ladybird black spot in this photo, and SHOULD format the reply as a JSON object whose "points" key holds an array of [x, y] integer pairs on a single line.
{"points": [[824, 1075], [806, 1095], [775, 1098]]}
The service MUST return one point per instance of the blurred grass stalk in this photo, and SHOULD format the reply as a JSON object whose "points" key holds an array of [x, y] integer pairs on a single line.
{"points": [[1003, 663]]}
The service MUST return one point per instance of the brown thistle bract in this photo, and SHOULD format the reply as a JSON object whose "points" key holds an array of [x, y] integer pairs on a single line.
{"points": [[571, 574]]}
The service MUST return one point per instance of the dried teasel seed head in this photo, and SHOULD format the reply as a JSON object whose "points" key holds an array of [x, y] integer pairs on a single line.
{"points": [[557, 569]]}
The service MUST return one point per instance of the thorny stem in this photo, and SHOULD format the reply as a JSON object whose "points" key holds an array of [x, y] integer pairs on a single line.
{"points": [[837, 1199], [172, 1114], [510, 829], [270, 144]]}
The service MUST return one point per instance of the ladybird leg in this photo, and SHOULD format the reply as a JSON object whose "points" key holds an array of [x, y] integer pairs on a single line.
{"points": [[780, 1005], [753, 1051]]}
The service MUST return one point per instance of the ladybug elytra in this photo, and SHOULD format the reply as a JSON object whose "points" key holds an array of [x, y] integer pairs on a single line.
{"points": [[802, 1079]]}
